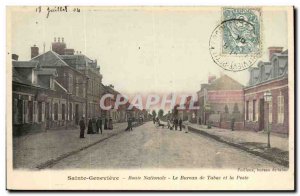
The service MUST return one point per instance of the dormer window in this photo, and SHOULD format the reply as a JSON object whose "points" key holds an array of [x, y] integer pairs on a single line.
{"points": [[276, 67]]}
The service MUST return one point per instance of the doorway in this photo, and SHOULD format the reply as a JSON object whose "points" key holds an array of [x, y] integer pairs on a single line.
{"points": [[76, 114], [261, 115]]}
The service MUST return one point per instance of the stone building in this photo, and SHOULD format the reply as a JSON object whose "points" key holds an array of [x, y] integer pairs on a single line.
{"points": [[270, 77], [221, 100]]}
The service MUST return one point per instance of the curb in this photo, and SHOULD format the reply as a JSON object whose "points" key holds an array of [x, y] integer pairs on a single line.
{"points": [[240, 146], [50, 163]]}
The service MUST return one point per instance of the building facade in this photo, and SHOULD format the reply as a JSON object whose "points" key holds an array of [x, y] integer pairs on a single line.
{"points": [[269, 77], [220, 101]]}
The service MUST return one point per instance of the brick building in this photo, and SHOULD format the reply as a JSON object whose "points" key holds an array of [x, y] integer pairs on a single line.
{"points": [[270, 77], [72, 81], [220, 100], [39, 100]]}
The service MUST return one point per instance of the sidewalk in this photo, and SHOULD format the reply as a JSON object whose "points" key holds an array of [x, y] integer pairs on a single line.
{"points": [[37, 151], [252, 142]]}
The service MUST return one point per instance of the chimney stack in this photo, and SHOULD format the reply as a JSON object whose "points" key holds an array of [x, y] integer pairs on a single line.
{"points": [[15, 57], [62, 39], [211, 78], [59, 39], [34, 51], [273, 50], [54, 39]]}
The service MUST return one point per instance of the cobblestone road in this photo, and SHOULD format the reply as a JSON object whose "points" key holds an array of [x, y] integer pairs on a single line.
{"points": [[150, 147]]}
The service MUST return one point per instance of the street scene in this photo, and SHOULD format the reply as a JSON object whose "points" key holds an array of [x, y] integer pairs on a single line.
{"points": [[150, 147], [149, 93]]}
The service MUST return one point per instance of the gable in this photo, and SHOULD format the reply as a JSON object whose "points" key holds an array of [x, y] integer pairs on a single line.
{"points": [[49, 59]]}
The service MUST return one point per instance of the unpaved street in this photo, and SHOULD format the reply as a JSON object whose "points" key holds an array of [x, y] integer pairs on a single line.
{"points": [[150, 147]]}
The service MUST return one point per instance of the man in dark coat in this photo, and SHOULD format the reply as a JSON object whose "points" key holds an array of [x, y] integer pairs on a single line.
{"points": [[99, 125], [90, 127], [176, 123], [129, 125], [180, 124], [110, 124], [94, 123], [82, 127], [105, 123]]}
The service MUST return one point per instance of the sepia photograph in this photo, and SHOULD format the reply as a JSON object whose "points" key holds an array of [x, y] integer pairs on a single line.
{"points": [[150, 98]]}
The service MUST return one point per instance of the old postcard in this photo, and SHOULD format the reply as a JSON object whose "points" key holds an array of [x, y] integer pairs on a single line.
{"points": [[150, 98]]}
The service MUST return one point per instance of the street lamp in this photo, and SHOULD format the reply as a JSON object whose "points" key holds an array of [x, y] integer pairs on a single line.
{"points": [[268, 99]]}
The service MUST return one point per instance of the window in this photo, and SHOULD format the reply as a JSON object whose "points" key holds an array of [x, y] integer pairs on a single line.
{"points": [[247, 110], [30, 111], [270, 112], [254, 110], [280, 112], [250, 111], [25, 111], [63, 111], [70, 112], [39, 111], [83, 92], [56, 111], [77, 86], [276, 67], [70, 83]]}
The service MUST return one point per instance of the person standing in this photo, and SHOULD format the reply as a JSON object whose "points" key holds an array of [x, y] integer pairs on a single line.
{"points": [[105, 124], [82, 127], [94, 123], [99, 124], [176, 123], [180, 124], [90, 127], [110, 124]]}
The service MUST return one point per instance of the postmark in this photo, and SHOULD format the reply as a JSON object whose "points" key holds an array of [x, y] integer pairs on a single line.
{"points": [[235, 43]]}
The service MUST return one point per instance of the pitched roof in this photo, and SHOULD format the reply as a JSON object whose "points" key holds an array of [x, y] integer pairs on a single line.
{"points": [[16, 77], [49, 59], [46, 71], [225, 83], [25, 64]]}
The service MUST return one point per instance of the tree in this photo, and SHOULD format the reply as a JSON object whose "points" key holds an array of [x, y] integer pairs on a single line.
{"points": [[154, 113], [160, 113]]}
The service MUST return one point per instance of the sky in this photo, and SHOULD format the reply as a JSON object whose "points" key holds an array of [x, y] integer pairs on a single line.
{"points": [[140, 50]]}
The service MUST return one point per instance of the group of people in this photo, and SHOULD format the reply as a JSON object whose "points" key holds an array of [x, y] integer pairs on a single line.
{"points": [[172, 124], [94, 125], [175, 124]]}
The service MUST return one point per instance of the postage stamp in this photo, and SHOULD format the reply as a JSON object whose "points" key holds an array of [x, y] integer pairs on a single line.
{"points": [[241, 32], [235, 43]]}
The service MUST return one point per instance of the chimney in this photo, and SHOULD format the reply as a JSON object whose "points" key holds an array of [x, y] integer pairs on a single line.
{"points": [[54, 39], [211, 78], [69, 51], [59, 39], [273, 50], [62, 39], [34, 51], [15, 57]]}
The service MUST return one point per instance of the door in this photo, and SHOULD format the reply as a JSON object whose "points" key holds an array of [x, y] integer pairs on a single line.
{"points": [[76, 114], [261, 115]]}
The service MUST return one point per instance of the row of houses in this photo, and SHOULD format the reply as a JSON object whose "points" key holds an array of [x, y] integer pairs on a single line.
{"points": [[223, 99], [58, 87]]}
